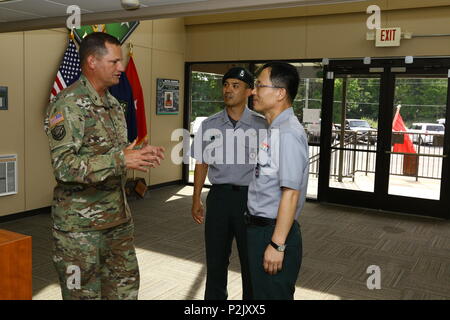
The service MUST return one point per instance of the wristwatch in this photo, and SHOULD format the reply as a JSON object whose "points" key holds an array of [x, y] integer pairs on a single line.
{"points": [[279, 248]]}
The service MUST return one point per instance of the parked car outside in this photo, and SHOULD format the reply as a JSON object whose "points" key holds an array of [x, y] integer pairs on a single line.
{"points": [[313, 132], [426, 133], [361, 129]]}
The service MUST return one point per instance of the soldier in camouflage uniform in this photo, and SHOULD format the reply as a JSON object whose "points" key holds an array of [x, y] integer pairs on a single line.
{"points": [[94, 251]]}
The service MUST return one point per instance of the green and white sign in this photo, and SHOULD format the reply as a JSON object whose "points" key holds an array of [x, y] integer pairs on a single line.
{"points": [[120, 30]]}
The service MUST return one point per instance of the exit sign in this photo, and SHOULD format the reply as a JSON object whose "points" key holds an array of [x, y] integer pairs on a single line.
{"points": [[388, 37]]}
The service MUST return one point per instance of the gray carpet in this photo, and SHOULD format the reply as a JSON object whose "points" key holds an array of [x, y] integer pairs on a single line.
{"points": [[340, 243]]}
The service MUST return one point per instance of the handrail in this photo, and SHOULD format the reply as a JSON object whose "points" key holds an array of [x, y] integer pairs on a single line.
{"points": [[351, 150], [418, 154]]}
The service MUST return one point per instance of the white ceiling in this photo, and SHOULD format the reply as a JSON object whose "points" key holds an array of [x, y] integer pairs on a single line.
{"points": [[17, 15], [19, 10]]}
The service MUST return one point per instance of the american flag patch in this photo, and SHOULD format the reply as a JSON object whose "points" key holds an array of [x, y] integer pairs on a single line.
{"points": [[57, 118]]}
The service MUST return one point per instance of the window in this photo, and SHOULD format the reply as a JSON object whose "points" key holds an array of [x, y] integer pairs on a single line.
{"points": [[205, 99]]}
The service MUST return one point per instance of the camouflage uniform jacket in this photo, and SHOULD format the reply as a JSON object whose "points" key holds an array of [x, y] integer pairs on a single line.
{"points": [[87, 137]]}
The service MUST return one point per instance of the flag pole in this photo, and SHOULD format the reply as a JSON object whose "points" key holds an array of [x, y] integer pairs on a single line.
{"points": [[130, 54], [130, 45]]}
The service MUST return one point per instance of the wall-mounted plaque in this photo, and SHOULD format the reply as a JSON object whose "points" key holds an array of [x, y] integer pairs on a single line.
{"points": [[3, 98], [167, 96]]}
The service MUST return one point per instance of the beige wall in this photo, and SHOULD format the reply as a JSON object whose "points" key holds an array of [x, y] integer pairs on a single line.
{"points": [[315, 10], [168, 59], [313, 36], [40, 65], [29, 60], [12, 135], [28, 64]]}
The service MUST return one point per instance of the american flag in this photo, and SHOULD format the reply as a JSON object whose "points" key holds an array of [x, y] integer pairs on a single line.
{"points": [[69, 70]]}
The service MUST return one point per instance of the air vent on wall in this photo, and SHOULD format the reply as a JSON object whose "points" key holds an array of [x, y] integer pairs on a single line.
{"points": [[8, 175]]}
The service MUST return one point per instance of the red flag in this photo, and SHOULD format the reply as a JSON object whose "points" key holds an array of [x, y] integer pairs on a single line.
{"points": [[136, 88], [399, 126]]}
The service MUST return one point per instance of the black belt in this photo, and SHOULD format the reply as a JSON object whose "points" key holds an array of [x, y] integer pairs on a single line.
{"points": [[259, 221], [230, 187]]}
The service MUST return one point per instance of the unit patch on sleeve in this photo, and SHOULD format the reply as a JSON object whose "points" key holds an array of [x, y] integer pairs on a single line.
{"points": [[58, 132]]}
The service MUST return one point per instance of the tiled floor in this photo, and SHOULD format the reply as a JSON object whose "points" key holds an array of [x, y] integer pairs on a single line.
{"points": [[340, 243]]}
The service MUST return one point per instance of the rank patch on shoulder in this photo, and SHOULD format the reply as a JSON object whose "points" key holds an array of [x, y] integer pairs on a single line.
{"points": [[58, 132], [57, 118]]}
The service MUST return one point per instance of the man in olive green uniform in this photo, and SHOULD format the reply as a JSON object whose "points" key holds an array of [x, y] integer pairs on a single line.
{"points": [[94, 251]]}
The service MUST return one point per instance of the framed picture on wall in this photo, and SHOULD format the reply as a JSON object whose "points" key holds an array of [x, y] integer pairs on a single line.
{"points": [[3, 98], [167, 96]]}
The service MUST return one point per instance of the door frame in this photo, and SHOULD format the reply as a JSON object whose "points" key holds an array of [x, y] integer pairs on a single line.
{"points": [[380, 199]]}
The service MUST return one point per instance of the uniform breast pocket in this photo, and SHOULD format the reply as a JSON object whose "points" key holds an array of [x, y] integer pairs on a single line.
{"points": [[266, 165], [263, 158], [213, 152], [251, 155], [95, 138]]}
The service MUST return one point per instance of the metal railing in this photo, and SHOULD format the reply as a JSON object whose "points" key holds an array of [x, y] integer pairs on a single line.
{"points": [[358, 154], [354, 153], [426, 162]]}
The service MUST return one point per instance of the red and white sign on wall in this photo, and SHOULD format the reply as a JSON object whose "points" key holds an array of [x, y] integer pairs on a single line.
{"points": [[388, 37]]}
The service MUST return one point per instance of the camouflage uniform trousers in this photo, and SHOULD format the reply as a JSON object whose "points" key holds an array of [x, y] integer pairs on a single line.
{"points": [[97, 264]]}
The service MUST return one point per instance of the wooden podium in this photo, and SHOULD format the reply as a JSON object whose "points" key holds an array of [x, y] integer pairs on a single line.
{"points": [[15, 266]]}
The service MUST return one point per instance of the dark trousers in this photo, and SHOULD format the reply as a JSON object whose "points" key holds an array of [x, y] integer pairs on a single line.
{"points": [[280, 286], [224, 221]]}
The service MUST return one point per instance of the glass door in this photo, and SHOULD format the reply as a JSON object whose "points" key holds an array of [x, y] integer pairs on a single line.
{"points": [[354, 132], [386, 144], [418, 130], [351, 148]]}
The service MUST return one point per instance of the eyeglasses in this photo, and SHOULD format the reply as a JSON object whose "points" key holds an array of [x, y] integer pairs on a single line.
{"points": [[258, 85]]}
